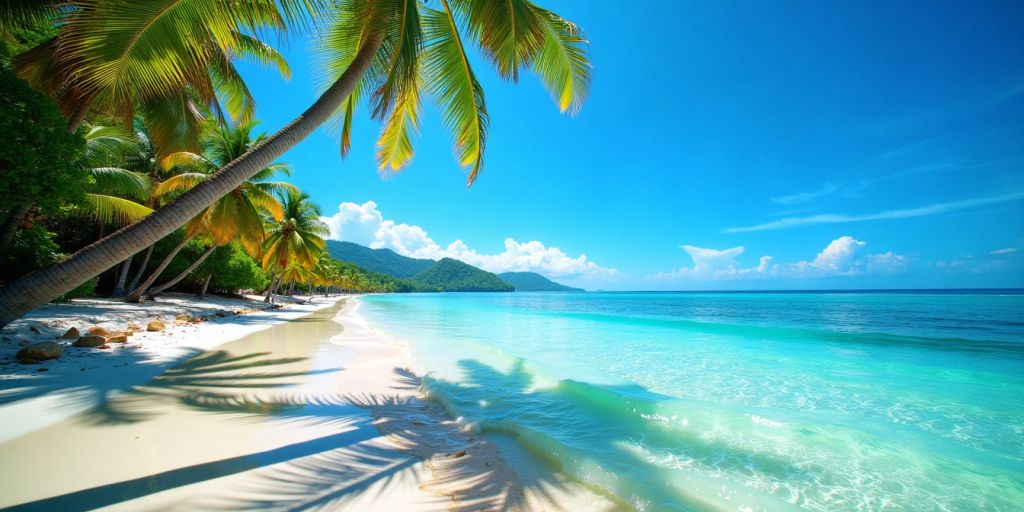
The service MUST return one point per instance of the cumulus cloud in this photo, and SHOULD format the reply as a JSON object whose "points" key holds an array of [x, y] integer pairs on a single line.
{"points": [[841, 257], [364, 224], [713, 264]]}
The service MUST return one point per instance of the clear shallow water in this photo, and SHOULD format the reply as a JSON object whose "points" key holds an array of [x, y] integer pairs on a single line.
{"points": [[741, 401]]}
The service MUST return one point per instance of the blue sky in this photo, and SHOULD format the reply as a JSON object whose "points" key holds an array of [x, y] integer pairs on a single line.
{"points": [[855, 144]]}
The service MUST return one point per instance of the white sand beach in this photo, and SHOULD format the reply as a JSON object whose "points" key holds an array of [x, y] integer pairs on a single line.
{"points": [[304, 407]]}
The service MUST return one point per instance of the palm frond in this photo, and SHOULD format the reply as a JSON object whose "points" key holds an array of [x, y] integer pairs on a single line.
{"points": [[455, 88], [121, 182], [394, 146], [258, 52], [400, 50], [510, 32], [562, 63], [174, 122], [107, 145], [108, 209], [188, 160], [262, 198], [179, 183]]}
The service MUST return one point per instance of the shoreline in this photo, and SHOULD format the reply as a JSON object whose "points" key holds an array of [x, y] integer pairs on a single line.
{"points": [[282, 414], [50, 391]]}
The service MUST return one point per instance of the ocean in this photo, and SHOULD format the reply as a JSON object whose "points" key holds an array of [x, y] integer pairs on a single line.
{"points": [[739, 401]]}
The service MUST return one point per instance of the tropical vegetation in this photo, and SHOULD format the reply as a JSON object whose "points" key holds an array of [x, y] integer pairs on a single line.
{"points": [[169, 65]]}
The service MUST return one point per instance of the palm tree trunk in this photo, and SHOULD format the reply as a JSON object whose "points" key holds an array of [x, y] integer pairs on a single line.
{"points": [[142, 270], [136, 294], [122, 277], [206, 284], [270, 289], [79, 115], [32, 290], [291, 288], [187, 271], [10, 226]]}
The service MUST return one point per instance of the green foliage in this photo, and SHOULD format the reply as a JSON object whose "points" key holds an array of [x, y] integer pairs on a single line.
{"points": [[233, 270], [381, 261], [31, 249], [22, 29], [39, 160], [455, 276]]}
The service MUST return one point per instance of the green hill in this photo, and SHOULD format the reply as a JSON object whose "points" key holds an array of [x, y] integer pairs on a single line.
{"points": [[381, 261], [455, 276], [534, 282]]}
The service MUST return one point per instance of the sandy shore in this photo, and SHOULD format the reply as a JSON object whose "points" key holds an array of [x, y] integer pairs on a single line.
{"points": [[42, 394], [320, 412]]}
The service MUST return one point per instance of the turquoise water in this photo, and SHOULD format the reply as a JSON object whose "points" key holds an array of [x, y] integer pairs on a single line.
{"points": [[740, 401]]}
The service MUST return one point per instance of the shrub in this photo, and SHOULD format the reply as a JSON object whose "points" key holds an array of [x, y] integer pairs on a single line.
{"points": [[31, 249], [39, 160], [233, 270]]}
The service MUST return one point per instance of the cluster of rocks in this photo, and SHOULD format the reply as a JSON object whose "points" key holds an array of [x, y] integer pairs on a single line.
{"points": [[94, 337]]}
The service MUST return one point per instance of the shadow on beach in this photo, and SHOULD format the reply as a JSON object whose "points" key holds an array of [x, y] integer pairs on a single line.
{"points": [[284, 376]]}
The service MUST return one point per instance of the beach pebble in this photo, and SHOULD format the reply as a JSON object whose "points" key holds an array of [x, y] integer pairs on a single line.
{"points": [[155, 325], [90, 340], [133, 327], [118, 338], [98, 331], [39, 352], [71, 334]]}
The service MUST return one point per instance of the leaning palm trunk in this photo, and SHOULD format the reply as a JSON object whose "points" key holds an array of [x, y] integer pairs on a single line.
{"points": [[142, 269], [36, 288], [10, 226], [206, 284], [187, 271], [122, 277], [137, 293], [270, 289]]}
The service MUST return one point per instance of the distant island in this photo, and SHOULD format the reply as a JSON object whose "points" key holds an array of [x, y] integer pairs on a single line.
{"points": [[405, 274], [534, 282]]}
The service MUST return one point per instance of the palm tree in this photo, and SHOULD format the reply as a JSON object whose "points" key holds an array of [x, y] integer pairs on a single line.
{"points": [[235, 216], [294, 242], [396, 50], [158, 56], [115, 194], [165, 59]]}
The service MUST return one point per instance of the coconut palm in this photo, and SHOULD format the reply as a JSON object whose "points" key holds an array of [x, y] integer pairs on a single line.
{"points": [[114, 195], [160, 56], [238, 215], [396, 51], [293, 242], [165, 59]]}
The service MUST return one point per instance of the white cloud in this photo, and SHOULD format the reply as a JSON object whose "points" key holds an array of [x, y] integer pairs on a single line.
{"points": [[713, 264], [803, 197], [365, 224], [840, 258], [834, 218], [1008, 250]]}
